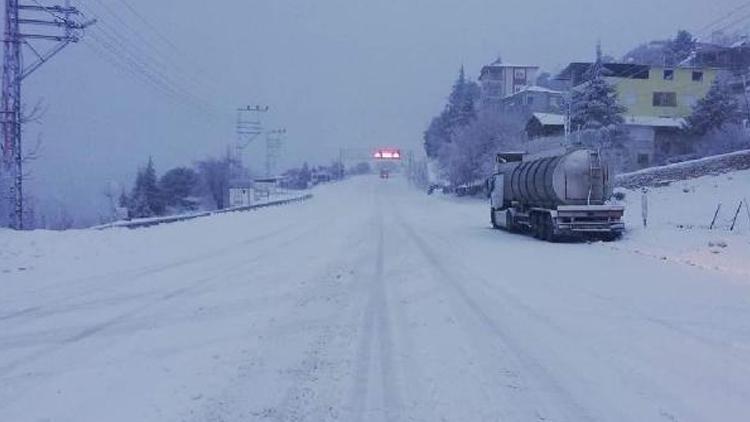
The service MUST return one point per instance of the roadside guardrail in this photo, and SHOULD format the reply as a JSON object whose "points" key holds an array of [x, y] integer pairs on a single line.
{"points": [[149, 222]]}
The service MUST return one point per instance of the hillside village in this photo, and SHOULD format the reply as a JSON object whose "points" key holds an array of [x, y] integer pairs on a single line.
{"points": [[663, 102]]}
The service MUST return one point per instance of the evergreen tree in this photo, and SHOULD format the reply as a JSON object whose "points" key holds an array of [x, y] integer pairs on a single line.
{"points": [[594, 105], [177, 186], [597, 114], [717, 109], [146, 200], [680, 48], [123, 201], [461, 103], [437, 134], [458, 113]]}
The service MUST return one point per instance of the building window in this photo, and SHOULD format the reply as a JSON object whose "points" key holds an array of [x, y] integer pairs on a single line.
{"points": [[643, 160], [668, 75], [665, 99], [697, 76], [529, 100]]}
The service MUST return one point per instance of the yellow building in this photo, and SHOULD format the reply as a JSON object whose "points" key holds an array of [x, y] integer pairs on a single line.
{"points": [[663, 92], [650, 91], [658, 99]]}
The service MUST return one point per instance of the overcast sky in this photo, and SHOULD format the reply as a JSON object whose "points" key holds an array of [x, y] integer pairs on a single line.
{"points": [[334, 72]]}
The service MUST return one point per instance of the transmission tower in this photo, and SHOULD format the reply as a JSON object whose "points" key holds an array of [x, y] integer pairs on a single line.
{"points": [[274, 144], [29, 25], [249, 127]]}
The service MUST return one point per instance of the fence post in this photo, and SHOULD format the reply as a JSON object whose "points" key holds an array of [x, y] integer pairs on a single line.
{"points": [[644, 207], [716, 214], [736, 214]]}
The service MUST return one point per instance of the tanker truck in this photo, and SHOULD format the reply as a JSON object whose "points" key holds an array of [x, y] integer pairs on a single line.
{"points": [[561, 196]]}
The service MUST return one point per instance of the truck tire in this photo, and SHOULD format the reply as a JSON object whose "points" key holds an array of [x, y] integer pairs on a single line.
{"points": [[548, 229], [536, 226], [509, 224], [612, 237], [493, 220]]}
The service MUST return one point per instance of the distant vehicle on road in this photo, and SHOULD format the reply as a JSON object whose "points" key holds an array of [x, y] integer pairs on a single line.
{"points": [[385, 174], [555, 197]]}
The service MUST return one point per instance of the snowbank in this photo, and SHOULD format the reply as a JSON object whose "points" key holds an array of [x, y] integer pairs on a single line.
{"points": [[680, 215]]}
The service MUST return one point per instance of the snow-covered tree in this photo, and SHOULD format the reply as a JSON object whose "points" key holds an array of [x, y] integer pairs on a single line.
{"points": [[215, 175], [146, 199], [714, 111], [177, 186], [680, 48], [594, 105], [462, 102], [459, 112], [730, 138], [597, 116], [123, 200], [471, 155], [437, 134], [669, 52]]}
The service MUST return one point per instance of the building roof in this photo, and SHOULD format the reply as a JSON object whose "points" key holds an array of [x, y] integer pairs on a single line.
{"points": [[576, 71], [550, 119], [534, 88], [501, 65], [651, 121], [496, 65]]}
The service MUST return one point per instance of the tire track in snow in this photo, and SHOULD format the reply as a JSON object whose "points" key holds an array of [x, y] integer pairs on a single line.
{"points": [[375, 378], [59, 305], [319, 325], [155, 300], [563, 398], [634, 379]]}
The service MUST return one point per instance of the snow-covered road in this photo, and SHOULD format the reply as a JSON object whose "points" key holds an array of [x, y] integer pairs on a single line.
{"points": [[371, 302]]}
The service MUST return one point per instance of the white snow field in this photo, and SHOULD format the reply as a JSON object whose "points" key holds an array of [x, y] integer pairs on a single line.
{"points": [[370, 302], [679, 220]]}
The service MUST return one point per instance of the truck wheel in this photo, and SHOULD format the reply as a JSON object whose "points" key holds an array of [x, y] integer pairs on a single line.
{"points": [[509, 225], [536, 226], [493, 220], [612, 237], [548, 229]]}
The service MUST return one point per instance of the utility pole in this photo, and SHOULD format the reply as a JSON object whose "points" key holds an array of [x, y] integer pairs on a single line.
{"points": [[274, 144], [249, 126], [63, 26]]}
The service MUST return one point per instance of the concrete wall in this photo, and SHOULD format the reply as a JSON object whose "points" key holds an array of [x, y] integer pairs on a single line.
{"points": [[660, 176]]}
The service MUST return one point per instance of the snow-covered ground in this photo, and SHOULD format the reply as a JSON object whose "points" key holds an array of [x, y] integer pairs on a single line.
{"points": [[679, 218], [372, 302]]}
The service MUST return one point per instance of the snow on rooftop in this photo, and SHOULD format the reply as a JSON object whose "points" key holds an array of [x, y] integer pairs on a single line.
{"points": [[512, 65], [535, 88], [550, 119], [652, 121]]}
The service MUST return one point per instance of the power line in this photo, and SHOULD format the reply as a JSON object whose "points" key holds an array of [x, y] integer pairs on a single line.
{"points": [[156, 53], [122, 53], [723, 18], [149, 59]]}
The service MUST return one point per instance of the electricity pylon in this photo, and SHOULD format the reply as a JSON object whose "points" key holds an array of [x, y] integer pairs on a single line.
{"points": [[64, 25]]}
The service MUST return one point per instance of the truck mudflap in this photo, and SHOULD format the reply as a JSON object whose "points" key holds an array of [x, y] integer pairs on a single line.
{"points": [[589, 219]]}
